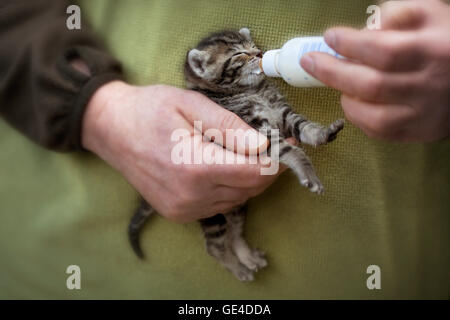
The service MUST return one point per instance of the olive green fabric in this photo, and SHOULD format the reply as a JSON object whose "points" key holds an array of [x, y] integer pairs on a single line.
{"points": [[385, 204]]}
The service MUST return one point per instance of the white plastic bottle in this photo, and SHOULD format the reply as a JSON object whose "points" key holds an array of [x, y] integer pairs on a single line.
{"points": [[285, 62]]}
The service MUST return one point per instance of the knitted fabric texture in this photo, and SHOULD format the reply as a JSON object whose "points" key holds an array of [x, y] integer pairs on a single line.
{"points": [[385, 204]]}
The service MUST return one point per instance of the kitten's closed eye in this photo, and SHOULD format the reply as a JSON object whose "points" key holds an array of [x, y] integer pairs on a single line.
{"points": [[257, 54]]}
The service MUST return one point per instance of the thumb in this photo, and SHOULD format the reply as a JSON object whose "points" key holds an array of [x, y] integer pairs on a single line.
{"points": [[223, 126]]}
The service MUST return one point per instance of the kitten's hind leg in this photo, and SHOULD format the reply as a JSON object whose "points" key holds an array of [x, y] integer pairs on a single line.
{"points": [[143, 211], [251, 258], [215, 229]]}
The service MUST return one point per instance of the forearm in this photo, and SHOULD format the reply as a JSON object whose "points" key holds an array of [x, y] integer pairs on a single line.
{"points": [[43, 90]]}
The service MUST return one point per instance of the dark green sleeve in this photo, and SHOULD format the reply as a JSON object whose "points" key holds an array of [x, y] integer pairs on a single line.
{"points": [[41, 94]]}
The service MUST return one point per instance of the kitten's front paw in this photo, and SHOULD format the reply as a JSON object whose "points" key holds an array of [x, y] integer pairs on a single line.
{"points": [[311, 181], [321, 135], [334, 128]]}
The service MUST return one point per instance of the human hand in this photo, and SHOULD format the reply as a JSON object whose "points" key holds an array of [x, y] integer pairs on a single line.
{"points": [[396, 81], [130, 128]]}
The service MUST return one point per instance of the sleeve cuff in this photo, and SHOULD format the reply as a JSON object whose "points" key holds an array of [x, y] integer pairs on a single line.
{"points": [[103, 69], [82, 101]]}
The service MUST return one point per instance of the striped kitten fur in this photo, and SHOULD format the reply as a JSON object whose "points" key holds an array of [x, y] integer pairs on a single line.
{"points": [[225, 67]]}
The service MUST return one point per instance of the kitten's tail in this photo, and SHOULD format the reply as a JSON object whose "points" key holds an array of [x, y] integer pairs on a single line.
{"points": [[143, 211]]}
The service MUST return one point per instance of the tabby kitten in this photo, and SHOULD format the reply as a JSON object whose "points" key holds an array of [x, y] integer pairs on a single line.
{"points": [[225, 67]]}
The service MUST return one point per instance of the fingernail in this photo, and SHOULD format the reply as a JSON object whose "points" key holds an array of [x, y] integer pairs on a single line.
{"points": [[251, 142], [263, 143], [307, 62], [330, 38]]}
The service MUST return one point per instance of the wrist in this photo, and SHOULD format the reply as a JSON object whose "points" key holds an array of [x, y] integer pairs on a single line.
{"points": [[99, 116]]}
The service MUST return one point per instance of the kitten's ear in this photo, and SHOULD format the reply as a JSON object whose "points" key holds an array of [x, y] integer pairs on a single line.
{"points": [[197, 60], [246, 33]]}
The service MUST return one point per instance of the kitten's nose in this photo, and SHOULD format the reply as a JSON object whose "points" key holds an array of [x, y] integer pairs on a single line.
{"points": [[259, 54]]}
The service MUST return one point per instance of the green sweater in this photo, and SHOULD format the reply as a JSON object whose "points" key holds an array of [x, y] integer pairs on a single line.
{"points": [[385, 204]]}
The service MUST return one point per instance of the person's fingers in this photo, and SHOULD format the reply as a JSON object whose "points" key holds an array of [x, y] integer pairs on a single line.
{"points": [[242, 171], [232, 197], [230, 194], [244, 176], [401, 15], [222, 126], [358, 80], [239, 174], [377, 120], [384, 50], [224, 207]]}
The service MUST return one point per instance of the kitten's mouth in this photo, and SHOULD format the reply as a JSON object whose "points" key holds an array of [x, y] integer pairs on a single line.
{"points": [[257, 70]]}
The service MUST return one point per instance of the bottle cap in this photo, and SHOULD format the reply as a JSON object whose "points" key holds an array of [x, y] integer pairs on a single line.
{"points": [[269, 63]]}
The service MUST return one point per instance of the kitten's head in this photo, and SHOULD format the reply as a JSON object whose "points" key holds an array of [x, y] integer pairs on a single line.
{"points": [[224, 62]]}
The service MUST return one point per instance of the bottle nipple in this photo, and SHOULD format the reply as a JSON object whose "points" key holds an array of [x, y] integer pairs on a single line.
{"points": [[269, 62]]}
